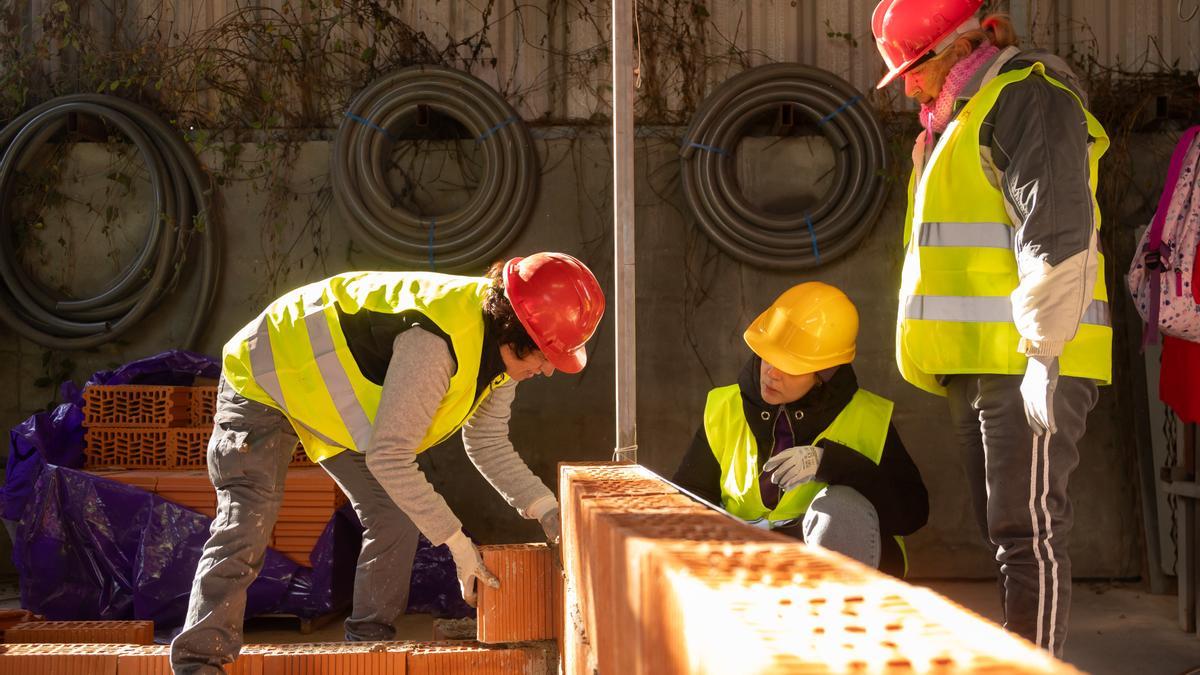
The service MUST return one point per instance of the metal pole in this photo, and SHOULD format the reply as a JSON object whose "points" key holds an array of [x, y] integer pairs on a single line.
{"points": [[623, 230]]}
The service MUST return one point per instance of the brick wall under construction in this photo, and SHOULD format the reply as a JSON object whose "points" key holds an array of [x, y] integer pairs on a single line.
{"points": [[658, 583]]}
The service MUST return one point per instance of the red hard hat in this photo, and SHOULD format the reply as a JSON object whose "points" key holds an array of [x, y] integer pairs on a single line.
{"points": [[559, 302], [906, 30]]}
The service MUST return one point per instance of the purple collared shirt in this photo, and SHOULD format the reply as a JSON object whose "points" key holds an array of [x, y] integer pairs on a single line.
{"points": [[783, 441]]}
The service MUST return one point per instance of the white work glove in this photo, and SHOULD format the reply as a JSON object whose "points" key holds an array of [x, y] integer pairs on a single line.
{"points": [[470, 566], [795, 466], [1037, 389], [552, 525]]}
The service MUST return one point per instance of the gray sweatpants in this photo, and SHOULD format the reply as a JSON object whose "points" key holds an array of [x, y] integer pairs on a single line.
{"points": [[841, 519], [1019, 490], [248, 457]]}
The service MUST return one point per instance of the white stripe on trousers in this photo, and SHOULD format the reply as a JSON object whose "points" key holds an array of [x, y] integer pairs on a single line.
{"points": [[1034, 501], [1037, 552], [1049, 547]]}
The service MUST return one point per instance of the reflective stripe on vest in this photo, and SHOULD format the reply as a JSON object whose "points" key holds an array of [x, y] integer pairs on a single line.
{"points": [[955, 314], [294, 356], [983, 309], [862, 426]]}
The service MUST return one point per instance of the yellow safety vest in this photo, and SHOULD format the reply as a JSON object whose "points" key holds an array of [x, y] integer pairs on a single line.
{"points": [[294, 356], [955, 314], [861, 426]]}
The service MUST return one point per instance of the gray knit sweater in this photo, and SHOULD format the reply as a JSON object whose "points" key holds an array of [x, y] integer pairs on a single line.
{"points": [[418, 377]]}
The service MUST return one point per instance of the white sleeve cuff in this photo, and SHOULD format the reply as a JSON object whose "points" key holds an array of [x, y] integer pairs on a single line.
{"points": [[541, 506]]}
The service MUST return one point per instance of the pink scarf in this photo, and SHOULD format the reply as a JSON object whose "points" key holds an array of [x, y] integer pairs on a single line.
{"points": [[936, 116]]}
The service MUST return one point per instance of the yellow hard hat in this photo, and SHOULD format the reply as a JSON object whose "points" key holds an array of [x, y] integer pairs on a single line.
{"points": [[811, 327]]}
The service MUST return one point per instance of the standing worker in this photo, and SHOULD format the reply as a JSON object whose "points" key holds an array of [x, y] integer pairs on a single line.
{"points": [[1003, 307], [796, 446], [385, 365]]}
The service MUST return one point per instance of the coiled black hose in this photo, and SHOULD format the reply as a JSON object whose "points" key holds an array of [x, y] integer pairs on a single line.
{"points": [[181, 212], [471, 235], [800, 240]]}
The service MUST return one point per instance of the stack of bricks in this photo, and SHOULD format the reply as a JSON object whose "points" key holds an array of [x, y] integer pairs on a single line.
{"points": [[100, 632], [133, 426], [359, 658], [156, 438], [309, 499], [659, 583]]}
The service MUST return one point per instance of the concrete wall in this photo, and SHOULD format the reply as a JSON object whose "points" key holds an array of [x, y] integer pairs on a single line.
{"points": [[693, 303]]}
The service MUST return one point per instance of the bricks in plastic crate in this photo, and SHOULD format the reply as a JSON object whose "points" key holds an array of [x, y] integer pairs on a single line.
{"points": [[136, 406], [133, 448], [527, 606], [79, 632]]}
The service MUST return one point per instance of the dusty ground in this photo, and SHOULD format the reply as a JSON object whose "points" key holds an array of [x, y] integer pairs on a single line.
{"points": [[1115, 628]]}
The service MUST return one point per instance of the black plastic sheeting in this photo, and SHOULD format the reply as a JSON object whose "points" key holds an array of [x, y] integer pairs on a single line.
{"points": [[90, 548]]}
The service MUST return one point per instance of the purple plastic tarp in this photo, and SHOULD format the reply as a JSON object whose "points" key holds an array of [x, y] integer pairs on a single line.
{"points": [[91, 548]]}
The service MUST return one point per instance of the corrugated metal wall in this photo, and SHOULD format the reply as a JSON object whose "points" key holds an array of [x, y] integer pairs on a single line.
{"points": [[550, 57]]}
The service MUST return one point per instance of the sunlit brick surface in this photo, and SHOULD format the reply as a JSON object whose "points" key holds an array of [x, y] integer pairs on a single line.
{"points": [[528, 604], [664, 585], [475, 659]]}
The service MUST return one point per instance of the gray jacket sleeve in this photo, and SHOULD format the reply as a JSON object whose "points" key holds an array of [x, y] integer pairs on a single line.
{"points": [[417, 379], [485, 437], [1039, 146]]}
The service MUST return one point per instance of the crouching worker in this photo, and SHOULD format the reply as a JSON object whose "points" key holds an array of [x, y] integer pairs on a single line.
{"points": [[797, 447], [369, 369]]}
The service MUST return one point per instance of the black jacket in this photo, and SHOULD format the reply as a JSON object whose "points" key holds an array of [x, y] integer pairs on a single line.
{"points": [[894, 486]]}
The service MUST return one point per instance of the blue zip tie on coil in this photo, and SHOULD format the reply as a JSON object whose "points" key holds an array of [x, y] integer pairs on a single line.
{"points": [[368, 123], [487, 134], [709, 148], [432, 222], [812, 234], [840, 109]]}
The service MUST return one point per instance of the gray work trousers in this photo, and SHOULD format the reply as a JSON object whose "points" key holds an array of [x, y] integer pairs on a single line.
{"points": [[1018, 487], [248, 457], [841, 519]]}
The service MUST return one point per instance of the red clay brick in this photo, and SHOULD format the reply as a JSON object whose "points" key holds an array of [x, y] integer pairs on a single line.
{"points": [[156, 660], [80, 632], [204, 406], [657, 585], [335, 658], [574, 651], [526, 607], [801, 608], [139, 406], [459, 658], [58, 659], [300, 457], [577, 480], [129, 448], [189, 447]]}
